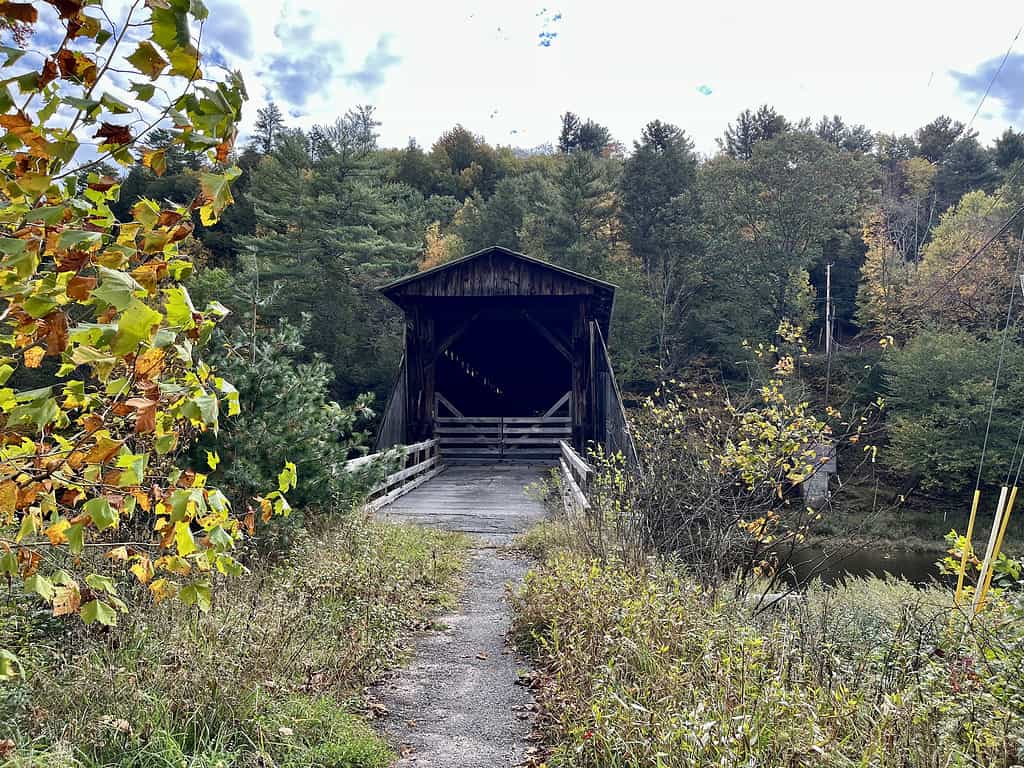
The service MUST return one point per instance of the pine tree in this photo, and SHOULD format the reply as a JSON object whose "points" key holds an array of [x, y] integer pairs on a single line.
{"points": [[662, 167], [330, 230], [751, 128], [267, 129]]}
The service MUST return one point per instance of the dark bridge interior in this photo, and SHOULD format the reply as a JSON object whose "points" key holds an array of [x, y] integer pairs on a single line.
{"points": [[503, 360]]}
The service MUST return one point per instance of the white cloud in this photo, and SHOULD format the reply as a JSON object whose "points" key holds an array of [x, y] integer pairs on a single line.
{"points": [[427, 66]]}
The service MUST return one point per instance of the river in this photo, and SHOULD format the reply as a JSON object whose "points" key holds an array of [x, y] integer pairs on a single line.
{"points": [[916, 567]]}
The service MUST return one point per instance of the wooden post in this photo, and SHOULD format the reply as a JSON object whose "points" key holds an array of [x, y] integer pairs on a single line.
{"points": [[580, 379], [419, 350]]}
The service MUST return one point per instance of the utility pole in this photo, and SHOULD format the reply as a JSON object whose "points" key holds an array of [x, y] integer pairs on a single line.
{"points": [[828, 329]]}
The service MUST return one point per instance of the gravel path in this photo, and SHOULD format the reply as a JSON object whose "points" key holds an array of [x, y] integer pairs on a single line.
{"points": [[458, 704]]}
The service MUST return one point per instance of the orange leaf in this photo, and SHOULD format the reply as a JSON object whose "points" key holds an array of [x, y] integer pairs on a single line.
{"points": [[23, 12], [49, 73], [150, 274], [168, 218], [150, 363], [20, 126], [103, 451], [66, 600], [103, 183], [28, 494], [66, 8], [80, 287], [268, 510], [145, 419], [114, 134], [55, 533], [8, 501], [224, 148], [182, 231], [78, 65], [56, 333], [142, 499], [28, 561]]}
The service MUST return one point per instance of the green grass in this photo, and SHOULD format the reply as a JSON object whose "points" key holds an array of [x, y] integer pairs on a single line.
{"points": [[646, 668], [271, 677]]}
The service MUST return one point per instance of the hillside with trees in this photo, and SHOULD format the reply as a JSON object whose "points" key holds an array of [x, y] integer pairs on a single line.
{"points": [[709, 253]]}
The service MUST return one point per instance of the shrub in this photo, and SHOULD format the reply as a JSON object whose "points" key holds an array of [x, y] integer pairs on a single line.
{"points": [[940, 389], [643, 667], [285, 412]]}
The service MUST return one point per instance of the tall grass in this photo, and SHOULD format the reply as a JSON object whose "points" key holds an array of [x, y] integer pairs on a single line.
{"points": [[646, 668], [269, 677]]}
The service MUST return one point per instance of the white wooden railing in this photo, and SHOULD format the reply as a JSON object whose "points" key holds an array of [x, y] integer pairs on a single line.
{"points": [[576, 477], [407, 467]]}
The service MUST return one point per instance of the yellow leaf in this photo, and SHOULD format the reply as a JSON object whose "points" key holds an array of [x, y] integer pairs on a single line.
{"points": [[55, 533], [162, 589], [8, 501], [34, 357], [143, 569], [118, 554]]}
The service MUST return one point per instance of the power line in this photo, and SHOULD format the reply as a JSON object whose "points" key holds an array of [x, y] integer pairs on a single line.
{"points": [[956, 273], [995, 77], [999, 193], [999, 362]]}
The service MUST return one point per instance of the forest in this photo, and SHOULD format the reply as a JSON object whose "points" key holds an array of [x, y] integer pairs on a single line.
{"points": [[195, 357], [708, 253]]}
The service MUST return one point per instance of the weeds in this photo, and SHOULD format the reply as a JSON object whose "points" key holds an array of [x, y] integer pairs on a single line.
{"points": [[269, 677], [647, 668]]}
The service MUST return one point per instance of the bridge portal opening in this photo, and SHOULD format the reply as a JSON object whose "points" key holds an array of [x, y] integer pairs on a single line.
{"points": [[510, 361]]}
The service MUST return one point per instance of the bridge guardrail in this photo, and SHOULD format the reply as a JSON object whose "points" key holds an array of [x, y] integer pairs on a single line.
{"points": [[416, 464], [576, 477]]}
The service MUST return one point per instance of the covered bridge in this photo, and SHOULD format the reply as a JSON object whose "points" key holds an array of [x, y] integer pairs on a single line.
{"points": [[505, 355]]}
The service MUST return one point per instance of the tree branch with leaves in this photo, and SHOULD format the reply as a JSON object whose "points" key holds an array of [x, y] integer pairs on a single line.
{"points": [[102, 381]]}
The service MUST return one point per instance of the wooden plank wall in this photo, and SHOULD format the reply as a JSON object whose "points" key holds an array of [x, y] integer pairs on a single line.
{"points": [[497, 275]]}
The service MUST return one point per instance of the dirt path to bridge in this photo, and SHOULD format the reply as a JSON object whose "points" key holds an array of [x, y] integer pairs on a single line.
{"points": [[459, 703]]}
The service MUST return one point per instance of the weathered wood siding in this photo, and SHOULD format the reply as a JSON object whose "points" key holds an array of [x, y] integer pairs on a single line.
{"points": [[438, 303], [497, 274]]}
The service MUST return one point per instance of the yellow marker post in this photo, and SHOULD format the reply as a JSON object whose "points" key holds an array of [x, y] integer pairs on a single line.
{"points": [[998, 545], [986, 563], [967, 546]]}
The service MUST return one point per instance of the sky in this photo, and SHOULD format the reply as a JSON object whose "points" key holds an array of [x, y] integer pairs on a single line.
{"points": [[508, 70]]}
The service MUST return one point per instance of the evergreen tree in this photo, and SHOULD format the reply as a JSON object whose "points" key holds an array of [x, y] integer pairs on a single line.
{"points": [[268, 126], [416, 169], [750, 128], [662, 167], [586, 136], [1008, 151], [575, 230], [852, 138], [966, 166], [938, 136], [331, 230]]}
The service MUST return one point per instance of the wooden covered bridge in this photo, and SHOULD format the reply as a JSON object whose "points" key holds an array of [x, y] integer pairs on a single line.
{"points": [[505, 365]]}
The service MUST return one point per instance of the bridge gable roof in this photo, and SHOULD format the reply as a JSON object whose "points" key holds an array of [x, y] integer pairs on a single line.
{"points": [[500, 272]]}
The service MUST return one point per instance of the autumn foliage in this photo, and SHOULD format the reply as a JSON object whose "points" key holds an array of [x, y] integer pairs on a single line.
{"points": [[101, 379]]}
